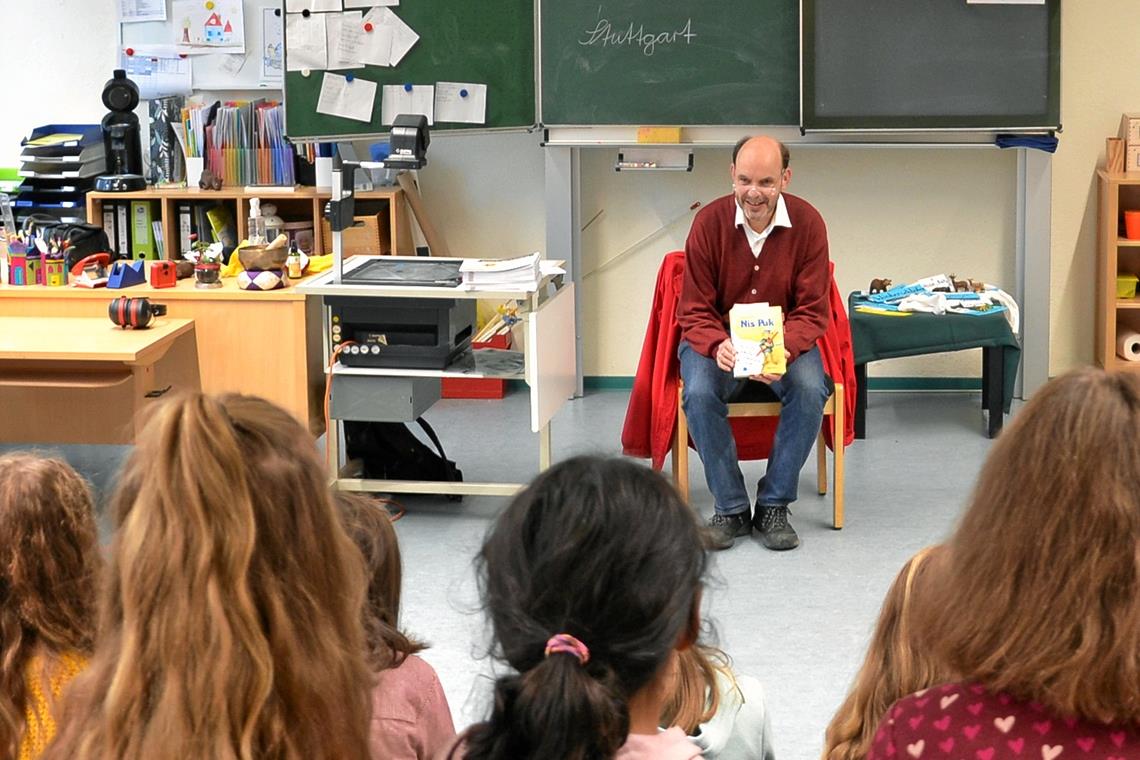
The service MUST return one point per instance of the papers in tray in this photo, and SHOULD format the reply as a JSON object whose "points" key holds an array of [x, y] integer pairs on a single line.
{"points": [[521, 272]]}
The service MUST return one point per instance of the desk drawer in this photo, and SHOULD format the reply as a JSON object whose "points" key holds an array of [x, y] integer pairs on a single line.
{"points": [[67, 407], [379, 398]]}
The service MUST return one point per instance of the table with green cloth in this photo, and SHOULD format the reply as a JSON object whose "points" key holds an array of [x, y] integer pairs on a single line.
{"points": [[878, 336]]}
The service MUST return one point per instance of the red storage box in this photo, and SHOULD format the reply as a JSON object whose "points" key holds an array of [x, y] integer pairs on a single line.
{"points": [[478, 387]]}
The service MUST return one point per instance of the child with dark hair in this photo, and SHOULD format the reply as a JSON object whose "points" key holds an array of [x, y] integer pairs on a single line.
{"points": [[410, 716], [592, 582], [49, 566]]}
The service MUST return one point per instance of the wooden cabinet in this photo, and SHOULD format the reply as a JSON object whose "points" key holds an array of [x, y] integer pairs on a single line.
{"points": [[295, 204], [1117, 192]]}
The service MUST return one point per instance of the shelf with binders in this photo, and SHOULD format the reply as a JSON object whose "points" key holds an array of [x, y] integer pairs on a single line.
{"points": [[296, 204]]}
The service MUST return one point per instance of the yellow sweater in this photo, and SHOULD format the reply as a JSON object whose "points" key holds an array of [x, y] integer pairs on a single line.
{"points": [[40, 728]]}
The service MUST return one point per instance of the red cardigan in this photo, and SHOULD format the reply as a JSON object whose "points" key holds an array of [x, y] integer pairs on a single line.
{"points": [[651, 418]]}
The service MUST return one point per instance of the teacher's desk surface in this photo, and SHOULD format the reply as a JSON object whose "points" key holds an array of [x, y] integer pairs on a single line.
{"points": [[84, 380]]}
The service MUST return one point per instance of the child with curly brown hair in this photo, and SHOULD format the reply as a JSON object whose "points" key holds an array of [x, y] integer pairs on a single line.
{"points": [[49, 566]]}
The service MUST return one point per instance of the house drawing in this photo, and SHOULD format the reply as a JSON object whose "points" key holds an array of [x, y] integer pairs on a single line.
{"points": [[217, 32]]}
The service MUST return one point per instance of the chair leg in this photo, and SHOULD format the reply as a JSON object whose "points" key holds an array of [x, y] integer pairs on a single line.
{"points": [[681, 453], [821, 465], [837, 433]]}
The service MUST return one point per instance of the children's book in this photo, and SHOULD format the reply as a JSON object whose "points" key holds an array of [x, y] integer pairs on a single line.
{"points": [[757, 332]]}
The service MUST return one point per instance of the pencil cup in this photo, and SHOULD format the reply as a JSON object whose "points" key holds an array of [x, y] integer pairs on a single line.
{"points": [[194, 167], [1132, 225]]}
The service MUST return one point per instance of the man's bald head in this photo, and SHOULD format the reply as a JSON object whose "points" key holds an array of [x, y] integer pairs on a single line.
{"points": [[762, 142]]}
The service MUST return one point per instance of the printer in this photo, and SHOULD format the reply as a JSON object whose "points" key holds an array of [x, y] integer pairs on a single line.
{"points": [[403, 333]]}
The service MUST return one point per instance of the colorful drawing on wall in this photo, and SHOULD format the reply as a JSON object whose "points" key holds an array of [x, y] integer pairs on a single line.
{"points": [[217, 26]]}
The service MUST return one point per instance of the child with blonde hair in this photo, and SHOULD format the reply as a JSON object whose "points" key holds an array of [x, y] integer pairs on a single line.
{"points": [[230, 621], [723, 713], [49, 563], [410, 716], [897, 663]]}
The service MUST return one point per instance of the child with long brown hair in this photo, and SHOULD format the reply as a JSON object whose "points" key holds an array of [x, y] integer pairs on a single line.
{"points": [[410, 716], [897, 663], [49, 566], [723, 713], [230, 620], [1037, 609]]}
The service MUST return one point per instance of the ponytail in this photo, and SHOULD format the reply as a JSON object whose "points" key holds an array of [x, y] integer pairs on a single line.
{"points": [[602, 548]]}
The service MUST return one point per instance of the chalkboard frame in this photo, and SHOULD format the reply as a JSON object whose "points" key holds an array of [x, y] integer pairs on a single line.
{"points": [[1047, 120]]}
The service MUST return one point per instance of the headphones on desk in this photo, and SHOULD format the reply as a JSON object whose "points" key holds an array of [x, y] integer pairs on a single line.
{"points": [[135, 313]]}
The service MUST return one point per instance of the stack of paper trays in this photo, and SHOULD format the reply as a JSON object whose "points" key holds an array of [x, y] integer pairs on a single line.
{"points": [[519, 273]]}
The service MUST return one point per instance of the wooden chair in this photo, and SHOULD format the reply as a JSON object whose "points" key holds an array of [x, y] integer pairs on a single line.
{"points": [[833, 412]]}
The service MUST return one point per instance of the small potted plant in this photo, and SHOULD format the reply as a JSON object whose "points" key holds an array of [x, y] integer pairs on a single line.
{"points": [[207, 258]]}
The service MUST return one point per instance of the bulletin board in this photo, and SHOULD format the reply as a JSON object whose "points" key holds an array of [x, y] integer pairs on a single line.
{"points": [[209, 72], [488, 42]]}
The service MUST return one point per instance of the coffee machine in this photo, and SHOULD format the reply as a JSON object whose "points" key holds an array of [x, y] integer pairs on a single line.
{"points": [[122, 143]]}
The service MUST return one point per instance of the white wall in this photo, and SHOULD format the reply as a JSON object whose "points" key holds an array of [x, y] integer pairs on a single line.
{"points": [[898, 213]]}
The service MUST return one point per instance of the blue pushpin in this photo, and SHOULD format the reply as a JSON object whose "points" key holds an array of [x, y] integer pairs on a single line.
{"points": [[463, 93], [407, 88], [349, 77]]}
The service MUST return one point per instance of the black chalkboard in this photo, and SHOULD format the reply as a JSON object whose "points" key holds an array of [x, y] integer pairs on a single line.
{"points": [[931, 64], [482, 41], [669, 62]]}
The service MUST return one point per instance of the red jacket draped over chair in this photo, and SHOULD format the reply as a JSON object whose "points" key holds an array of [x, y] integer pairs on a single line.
{"points": [[651, 418]]}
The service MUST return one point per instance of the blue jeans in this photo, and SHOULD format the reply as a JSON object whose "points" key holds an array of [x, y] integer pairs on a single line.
{"points": [[802, 391]]}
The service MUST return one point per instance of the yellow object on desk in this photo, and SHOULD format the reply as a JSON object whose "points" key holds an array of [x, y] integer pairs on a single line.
{"points": [[882, 312]]}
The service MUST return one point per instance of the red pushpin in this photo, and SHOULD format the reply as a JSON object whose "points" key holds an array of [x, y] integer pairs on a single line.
{"points": [[130, 51], [368, 27]]}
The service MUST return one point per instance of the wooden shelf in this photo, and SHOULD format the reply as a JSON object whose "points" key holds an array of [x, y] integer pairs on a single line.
{"points": [[1116, 255], [313, 198]]}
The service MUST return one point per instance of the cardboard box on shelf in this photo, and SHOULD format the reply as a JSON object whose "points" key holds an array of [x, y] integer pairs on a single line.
{"points": [[371, 236]]}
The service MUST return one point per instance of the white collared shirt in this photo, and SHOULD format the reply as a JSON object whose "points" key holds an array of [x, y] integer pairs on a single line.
{"points": [[756, 239]]}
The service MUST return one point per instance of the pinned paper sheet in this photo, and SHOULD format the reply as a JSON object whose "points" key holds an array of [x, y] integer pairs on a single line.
{"points": [[369, 3], [272, 47], [145, 10], [399, 98], [344, 33], [215, 27], [403, 36], [306, 42], [376, 45], [158, 70], [231, 64], [296, 6], [461, 102], [351, 99]]}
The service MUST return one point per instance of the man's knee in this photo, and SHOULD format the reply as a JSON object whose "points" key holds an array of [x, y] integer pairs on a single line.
{"points": [[807, 380]]}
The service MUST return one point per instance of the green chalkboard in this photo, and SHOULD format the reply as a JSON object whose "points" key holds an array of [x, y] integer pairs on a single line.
{"points": [[669, 62], [481, 41]]}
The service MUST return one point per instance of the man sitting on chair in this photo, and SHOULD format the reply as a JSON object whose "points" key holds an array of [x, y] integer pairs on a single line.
{"points": [[757, 244]]}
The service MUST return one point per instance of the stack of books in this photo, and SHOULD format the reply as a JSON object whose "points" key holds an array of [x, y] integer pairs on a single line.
{"points": [[520, 273]]}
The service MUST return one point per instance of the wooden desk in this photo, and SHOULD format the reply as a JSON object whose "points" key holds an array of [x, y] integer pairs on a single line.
{"points": [[84, 380], [262, 343]]}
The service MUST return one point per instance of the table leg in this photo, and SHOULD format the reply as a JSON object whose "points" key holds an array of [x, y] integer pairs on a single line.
{"points": [[860, 401], [993, 386]]}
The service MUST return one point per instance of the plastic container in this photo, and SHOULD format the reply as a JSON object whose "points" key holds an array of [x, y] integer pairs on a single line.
{"points": [[478, 387], [1126, 285]]}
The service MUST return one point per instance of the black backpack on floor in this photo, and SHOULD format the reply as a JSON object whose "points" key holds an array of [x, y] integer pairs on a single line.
{"points": [[390, 451]]}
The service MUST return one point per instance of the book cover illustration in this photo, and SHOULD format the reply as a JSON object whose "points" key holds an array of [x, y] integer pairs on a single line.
{"points": [[757, 332]]}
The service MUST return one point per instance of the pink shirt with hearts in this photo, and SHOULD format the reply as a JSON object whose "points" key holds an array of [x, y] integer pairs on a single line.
{"points": [[965, 722]]}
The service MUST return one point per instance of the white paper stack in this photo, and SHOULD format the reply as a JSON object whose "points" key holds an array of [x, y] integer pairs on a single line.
{"points": [[519, 273]]}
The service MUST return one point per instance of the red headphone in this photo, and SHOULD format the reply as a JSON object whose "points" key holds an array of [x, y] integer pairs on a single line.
{"points": [[134, 312]]}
